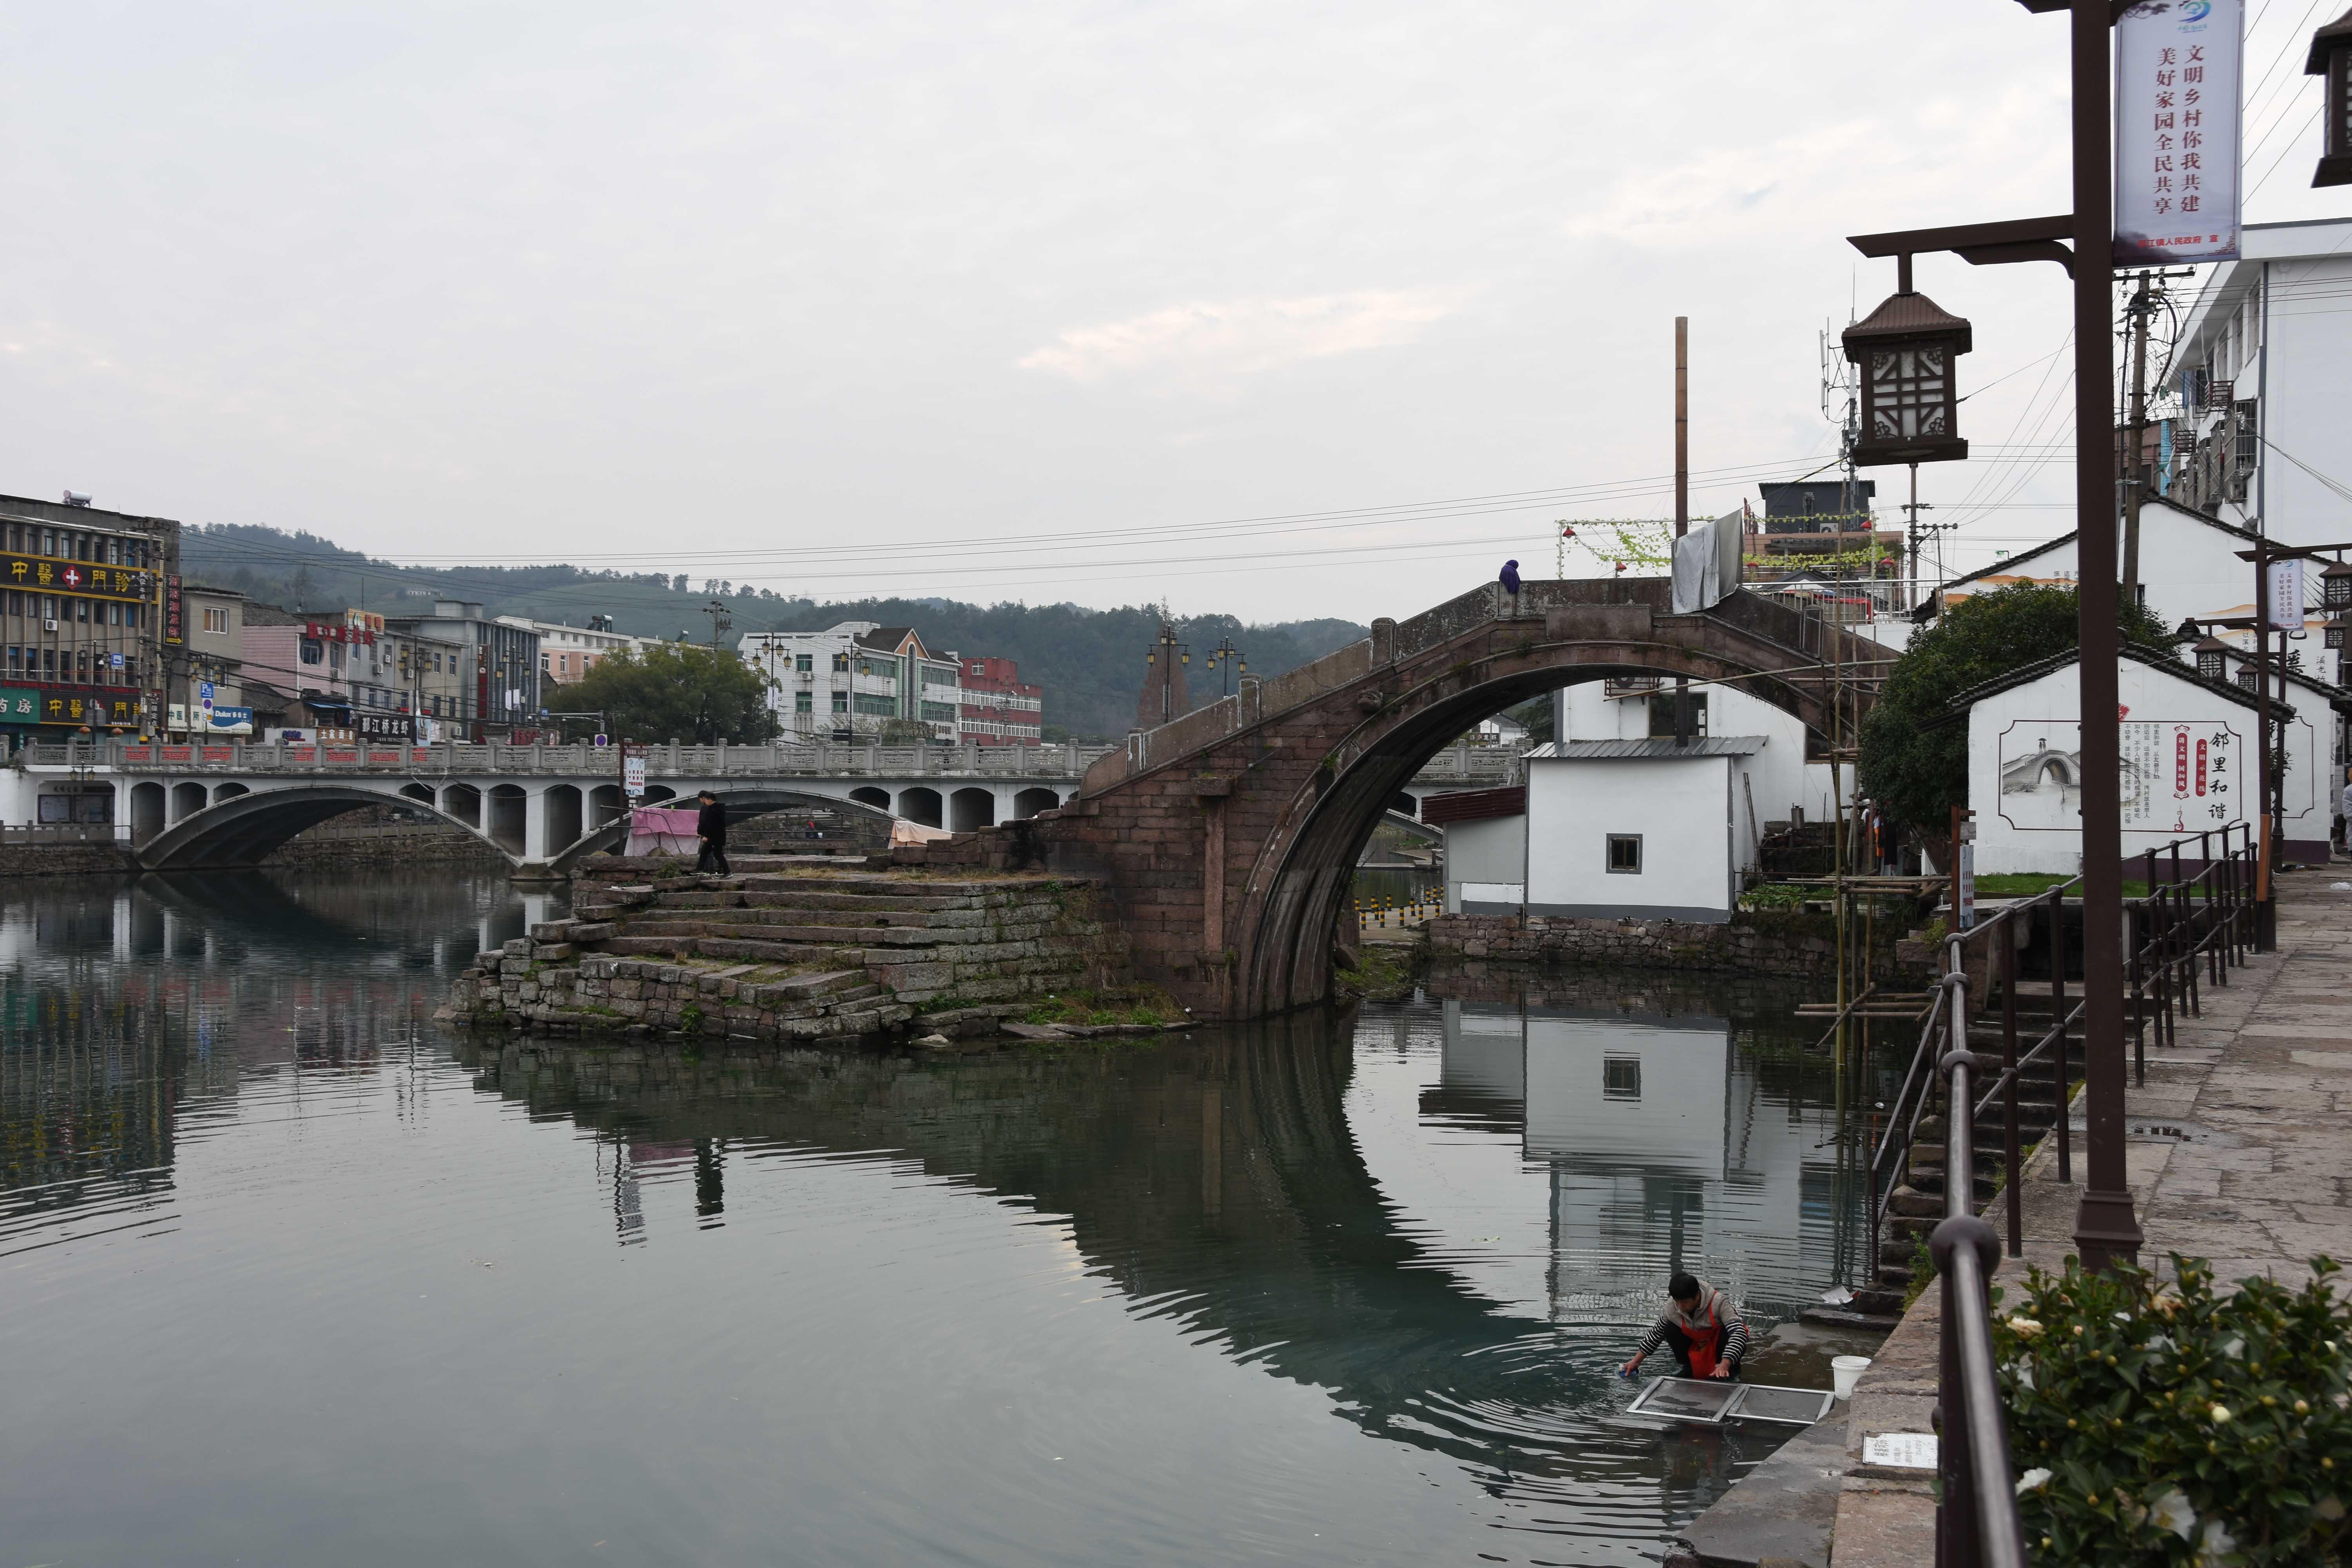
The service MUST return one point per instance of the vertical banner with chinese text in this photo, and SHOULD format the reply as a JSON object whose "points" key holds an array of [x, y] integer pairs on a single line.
{"points": [[2177, 159], [2283, 595]]}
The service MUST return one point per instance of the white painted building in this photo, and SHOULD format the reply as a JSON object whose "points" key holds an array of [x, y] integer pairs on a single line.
{"points": [[1642, 829], [2189, 764], [568, 652], [1779, 777], [847, 683], [2264, 375], [2189, 565], [1485, 848]]}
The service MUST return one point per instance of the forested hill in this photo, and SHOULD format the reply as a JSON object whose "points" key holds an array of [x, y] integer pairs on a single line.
{"points": [[1089, 662]]}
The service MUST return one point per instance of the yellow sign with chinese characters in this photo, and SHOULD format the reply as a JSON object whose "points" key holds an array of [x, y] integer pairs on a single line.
{"points": [[76, 579]]}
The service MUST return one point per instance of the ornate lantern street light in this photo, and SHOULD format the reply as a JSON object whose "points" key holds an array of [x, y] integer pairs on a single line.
{"points": [[2331, 56], [1908, 350], [2335, 587], [2212, 658], [2335, 630]]}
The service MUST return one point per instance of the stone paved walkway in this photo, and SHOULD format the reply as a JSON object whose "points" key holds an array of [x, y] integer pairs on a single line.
{"points": [[2257, 1178]]}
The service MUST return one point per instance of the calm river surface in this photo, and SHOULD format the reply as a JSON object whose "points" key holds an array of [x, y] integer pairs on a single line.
{"points": [[293, 1277]]}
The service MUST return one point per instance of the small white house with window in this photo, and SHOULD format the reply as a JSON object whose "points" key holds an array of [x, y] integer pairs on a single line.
{"points": [[1642, 829], [1631, 829]]}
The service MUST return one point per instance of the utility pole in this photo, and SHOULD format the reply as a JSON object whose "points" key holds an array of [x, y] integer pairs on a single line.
{"points": [[1681, 498], [1911, 511], [2105, 1230], [719, 621], [2135, 437]]}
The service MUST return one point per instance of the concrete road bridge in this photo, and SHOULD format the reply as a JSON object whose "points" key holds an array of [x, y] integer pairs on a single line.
{"points": [[1227, 838], [210, 806], [229, 804]]}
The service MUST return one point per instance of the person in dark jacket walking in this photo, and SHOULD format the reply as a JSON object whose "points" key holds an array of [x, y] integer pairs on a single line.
{"points": [[711, 827]]}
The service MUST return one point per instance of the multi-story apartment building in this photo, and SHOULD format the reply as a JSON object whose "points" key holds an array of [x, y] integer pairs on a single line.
{"points": [[858, 681], [214, 629], [90, 616], [998, 708], [498, 675], [432, 675], [2262, 375], [357, 670], [568, 652]]}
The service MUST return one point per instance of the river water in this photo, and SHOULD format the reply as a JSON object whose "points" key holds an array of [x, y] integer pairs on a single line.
{"points": [[293, 1276]]}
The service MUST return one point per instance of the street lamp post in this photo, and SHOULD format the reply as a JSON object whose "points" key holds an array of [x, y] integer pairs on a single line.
{"points": [[2105, 1229], [1225, 657]]}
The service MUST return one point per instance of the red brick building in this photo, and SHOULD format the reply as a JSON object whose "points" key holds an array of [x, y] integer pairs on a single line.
{"points": [[998, 710]]}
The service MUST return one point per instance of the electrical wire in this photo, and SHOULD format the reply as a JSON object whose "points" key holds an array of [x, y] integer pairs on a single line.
{"points": [[2292, 141], [1982, 477]]}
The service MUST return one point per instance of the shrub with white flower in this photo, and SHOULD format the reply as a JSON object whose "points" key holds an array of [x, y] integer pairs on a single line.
{"points": [[2178, 1425]]}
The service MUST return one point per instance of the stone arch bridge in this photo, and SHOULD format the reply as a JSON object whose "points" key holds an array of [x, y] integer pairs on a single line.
{"points": [[1227, 839]]}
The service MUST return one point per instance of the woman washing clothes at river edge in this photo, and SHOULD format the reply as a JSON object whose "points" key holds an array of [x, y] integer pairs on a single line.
{"points": [[1704, 1331]]}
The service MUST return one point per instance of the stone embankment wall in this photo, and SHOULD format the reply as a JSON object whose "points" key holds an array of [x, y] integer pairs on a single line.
{"points": [[1766, 943], [807, 956], [339, 843], [549, 986], [374, 836], [64, 859]]}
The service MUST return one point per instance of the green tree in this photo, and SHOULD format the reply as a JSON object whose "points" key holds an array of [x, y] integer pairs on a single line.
{"points": [[677, 691], [1917, 770]]}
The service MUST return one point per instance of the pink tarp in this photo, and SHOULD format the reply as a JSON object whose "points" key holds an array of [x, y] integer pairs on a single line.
{"points": [[664, 830]]}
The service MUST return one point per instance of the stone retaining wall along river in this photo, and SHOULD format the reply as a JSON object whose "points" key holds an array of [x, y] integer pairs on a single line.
{"points": [[1766, 942], [804, 955]]}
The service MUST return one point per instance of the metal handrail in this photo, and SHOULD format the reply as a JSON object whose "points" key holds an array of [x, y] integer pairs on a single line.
{"points": [[1986, 1527], [2181, 922]]}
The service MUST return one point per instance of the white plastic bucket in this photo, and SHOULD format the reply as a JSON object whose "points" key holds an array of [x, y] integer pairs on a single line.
{"points": [[1845, 1371]]}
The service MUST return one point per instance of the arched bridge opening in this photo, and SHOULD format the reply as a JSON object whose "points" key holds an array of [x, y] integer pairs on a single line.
{"points": [[742, 801], [1227, 839], [242, 829]]}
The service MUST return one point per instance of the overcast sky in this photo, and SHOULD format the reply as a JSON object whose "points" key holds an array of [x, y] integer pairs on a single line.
{"points": [[1020, 301]]}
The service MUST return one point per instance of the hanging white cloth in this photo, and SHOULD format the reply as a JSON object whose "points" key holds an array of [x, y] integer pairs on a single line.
{"points": [[1706, 562]]}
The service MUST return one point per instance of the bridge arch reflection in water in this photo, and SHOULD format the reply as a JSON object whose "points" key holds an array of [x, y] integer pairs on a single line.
{"points": [[1275, 1188], [1441, 1223]]}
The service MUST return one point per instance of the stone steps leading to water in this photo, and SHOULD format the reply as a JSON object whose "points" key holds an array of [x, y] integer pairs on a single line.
{"points": [[760, 954]]}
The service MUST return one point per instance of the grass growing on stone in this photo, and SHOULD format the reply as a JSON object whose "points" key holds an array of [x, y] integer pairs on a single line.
{"points": [[1146, 1004], [1384, 973], [2025, 884]]}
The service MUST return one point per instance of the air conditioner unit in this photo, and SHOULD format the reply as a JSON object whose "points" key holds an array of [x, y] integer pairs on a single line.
{"points": [[49, 625]]}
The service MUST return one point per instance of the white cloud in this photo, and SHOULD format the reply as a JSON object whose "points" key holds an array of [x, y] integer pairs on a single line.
{"points": [[1218, 341]]}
